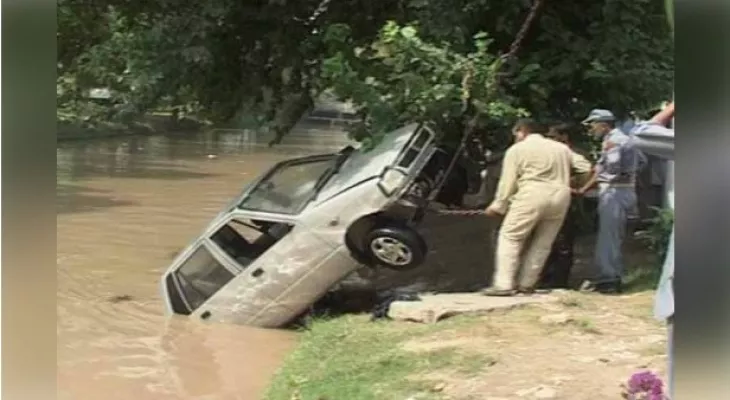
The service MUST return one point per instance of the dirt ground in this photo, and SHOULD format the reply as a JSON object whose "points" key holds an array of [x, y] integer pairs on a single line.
{"points": [[581, 347]]}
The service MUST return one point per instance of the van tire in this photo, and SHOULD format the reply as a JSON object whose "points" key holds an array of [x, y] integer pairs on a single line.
{"points": [[395, 247]]}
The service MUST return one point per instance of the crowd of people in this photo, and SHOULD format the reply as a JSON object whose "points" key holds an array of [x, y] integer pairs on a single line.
{"points": [[535, 191], [534, 197]]}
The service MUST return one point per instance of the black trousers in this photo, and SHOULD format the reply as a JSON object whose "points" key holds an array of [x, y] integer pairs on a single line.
{"points": [[556, 273]]}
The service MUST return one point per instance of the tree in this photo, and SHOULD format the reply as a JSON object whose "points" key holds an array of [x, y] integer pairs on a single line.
{"points": [[396, 60]]}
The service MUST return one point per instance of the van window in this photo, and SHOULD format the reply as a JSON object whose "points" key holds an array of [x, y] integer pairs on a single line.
{"points": [[246, 240], [201, 276], [288, 188], [414, 148]]}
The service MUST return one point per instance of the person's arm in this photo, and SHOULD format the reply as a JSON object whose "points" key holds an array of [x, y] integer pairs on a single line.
{"points": [[507, 185], [590, 182], [664, 116], [610, 163], [653, 137], [580, 164]]}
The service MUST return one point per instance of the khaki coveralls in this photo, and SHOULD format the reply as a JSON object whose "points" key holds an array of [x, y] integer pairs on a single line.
{"points": [[534, 195]]}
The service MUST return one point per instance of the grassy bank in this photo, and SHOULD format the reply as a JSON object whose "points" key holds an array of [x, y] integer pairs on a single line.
{"points": [[352, 358], [577, 347]]}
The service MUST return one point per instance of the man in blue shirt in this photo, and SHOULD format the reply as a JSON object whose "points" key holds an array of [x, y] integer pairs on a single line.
{"points": [[615, 173], [654, 138]]}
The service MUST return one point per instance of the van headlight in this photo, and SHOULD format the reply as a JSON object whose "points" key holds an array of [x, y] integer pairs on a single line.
{"points": [[391, 180]]}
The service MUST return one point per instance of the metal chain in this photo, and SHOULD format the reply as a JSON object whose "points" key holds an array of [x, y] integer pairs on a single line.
{"points": [[520, 37], [458, 212], [467, 99]]}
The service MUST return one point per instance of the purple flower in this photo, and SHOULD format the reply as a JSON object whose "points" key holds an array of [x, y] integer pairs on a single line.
{"points": [[647, 384]]}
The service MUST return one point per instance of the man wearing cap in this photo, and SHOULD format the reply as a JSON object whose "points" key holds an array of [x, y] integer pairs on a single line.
{"points": [[615, 174]]}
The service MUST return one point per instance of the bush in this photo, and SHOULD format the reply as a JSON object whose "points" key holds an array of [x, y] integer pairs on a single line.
{"points": [[658, 232]]}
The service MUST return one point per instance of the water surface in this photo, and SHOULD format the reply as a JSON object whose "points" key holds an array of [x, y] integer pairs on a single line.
{"points": [[125, 206]]}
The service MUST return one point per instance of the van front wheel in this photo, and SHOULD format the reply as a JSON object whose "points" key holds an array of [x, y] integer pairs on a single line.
{"points": [[398, 248]]}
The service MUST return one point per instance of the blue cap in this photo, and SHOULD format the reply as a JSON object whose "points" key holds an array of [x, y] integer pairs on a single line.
{"points": [[599, 115]]}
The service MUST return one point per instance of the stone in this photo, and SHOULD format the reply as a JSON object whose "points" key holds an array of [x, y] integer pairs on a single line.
{"points": [[626, 355], [654, 339], [525, 392], [556, 319], [439, 387], [546, 392], [583, 359], [435, 307], [538, 392], [560, 379]]}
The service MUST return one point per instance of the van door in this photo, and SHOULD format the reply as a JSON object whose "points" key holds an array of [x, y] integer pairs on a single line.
{"points": [[268, 257]]}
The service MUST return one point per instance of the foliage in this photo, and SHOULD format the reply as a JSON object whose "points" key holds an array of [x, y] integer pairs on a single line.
{"points": [[401, 78], [270, 59], [659, 231]]}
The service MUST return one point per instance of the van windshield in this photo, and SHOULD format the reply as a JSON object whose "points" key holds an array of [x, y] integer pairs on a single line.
{"points": [[288, 188]]}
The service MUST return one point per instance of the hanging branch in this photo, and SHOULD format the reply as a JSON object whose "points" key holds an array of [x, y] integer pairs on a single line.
{"points": [[520, 37], [506, 58], [467, 100]]}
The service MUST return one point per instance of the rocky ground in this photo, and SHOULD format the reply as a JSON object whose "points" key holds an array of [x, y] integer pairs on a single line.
{"points": [[575, 348]]}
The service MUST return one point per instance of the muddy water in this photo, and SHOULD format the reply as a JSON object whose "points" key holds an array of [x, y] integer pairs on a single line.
{"points": [[124, 207]]}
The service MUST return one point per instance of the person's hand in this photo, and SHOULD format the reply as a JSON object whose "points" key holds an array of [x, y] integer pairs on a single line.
{"points": [[578, 191], [664, 116], [492, 212]]}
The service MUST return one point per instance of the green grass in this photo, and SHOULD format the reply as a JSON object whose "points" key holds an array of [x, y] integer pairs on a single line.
{"points": [[586, 325], [643, 277], [571, 301], [351, 358]]}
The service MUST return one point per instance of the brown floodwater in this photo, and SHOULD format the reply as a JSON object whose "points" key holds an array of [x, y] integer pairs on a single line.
{"points": [[125, 206]]}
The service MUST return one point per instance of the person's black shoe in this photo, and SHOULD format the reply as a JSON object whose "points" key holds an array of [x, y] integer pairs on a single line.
{"points": [[611, 287], [529, 291]]}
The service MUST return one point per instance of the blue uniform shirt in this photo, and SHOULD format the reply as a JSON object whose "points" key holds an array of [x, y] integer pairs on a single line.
{"points": [[619, 160], [659, 141]]}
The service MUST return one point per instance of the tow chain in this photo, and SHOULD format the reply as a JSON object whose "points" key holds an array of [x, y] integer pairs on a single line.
{"points": [[456, 212], [467, 105]]}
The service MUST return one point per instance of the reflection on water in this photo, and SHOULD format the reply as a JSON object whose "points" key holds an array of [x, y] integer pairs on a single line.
{"points": [[124, 206]]}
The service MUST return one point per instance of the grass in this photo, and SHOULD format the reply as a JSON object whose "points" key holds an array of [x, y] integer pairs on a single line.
{"points": [[643, 277], [586, 325], [571, 301], [352, 358], [655, 349]]}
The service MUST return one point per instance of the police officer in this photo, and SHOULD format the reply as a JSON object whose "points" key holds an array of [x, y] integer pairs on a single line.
{"points": [[615, 173]]}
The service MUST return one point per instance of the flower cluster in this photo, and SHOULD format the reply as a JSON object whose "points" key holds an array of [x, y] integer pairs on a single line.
{"points": [[644, 386]]}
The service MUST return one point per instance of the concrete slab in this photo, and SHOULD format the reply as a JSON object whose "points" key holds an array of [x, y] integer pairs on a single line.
{"points": [[435, 307]]}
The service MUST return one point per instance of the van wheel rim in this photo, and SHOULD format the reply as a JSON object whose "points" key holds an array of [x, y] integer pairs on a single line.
{"points": [[392, 251]]}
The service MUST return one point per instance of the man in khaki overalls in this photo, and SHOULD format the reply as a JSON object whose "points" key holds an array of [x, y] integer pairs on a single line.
{"points": [[533, 195]]}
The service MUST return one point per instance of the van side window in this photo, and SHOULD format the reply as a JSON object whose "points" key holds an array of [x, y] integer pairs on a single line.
{"points": [[201, 276], [246, 240]]}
